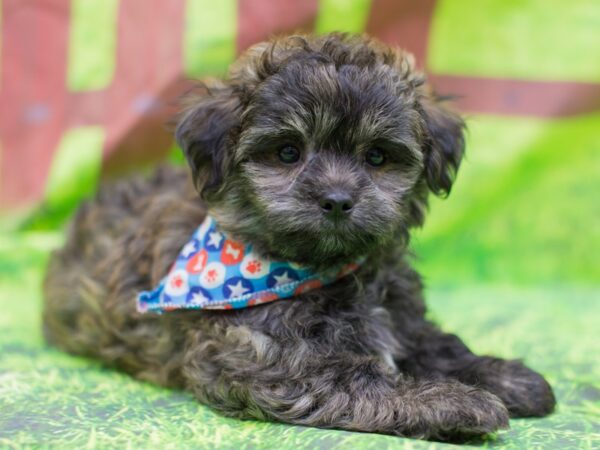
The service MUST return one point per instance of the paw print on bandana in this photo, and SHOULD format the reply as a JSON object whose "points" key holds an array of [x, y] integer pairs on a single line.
{"points": [[177, 283], [254, 267], [213, 275]]}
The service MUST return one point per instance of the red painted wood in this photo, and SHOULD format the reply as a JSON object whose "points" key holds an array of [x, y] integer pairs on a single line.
{"points": [[519, 97], [32, 107], [149, 64], [404, 23], [36, 108], [259, 19]]}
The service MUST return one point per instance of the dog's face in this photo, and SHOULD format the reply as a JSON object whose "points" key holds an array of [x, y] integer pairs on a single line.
{"points": [[320, 150]]}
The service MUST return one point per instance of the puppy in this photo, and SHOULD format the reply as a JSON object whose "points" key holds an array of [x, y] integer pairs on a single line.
{"points": [[318, 152]]}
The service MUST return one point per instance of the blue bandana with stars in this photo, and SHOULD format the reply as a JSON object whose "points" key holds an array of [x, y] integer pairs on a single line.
{"points": [[214, 271]]}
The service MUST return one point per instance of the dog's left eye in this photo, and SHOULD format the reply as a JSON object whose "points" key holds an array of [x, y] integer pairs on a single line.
{"points": [[375, 157], [289, 154]]}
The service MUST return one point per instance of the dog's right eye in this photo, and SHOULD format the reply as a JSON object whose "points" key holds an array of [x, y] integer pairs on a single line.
{"points": [[375, 157], [289, 154]]}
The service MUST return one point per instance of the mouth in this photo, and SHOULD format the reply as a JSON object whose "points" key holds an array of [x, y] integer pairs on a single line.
{"points": [[333, 244], [339, 227]]}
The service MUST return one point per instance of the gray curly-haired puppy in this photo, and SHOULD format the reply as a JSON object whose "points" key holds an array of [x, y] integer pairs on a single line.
{"points": [[317, 151]]}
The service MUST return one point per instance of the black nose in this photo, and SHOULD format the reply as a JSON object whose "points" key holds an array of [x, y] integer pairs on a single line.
{"points": [[336, 204]]}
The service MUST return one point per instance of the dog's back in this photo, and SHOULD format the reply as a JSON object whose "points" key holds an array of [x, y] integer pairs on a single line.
{"points": [[118, 243]]}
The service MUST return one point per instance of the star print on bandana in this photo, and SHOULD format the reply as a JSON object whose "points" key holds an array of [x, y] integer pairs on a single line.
{"points": [[198, 296], [214, 240], [189, 248], [237, 287], [213, 271], [281, 277]]}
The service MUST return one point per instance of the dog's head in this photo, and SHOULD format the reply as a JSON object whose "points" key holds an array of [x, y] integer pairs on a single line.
{"points": [[320, 149]]}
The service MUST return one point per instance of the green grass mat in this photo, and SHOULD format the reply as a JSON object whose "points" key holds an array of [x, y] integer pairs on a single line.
{"points": [[51, 399]]}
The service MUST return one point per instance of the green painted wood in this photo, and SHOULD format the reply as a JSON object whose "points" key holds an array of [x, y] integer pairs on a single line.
{"points": [[209, 37], [342, 15], [92, 44], [530, 39], [75, 168]]}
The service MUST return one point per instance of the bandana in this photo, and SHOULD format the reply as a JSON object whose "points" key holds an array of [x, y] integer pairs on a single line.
{"points": [[213, 271]]}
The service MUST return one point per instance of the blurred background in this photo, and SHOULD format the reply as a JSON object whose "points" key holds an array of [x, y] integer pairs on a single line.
{"points": [[510, 259]]}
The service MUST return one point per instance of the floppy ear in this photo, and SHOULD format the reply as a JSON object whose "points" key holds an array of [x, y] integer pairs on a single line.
{"points": [[204, 133], [444, 144]]}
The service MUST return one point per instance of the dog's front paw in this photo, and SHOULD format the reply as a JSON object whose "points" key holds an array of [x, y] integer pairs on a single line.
{"points": [[454, 411], [524, 392]]}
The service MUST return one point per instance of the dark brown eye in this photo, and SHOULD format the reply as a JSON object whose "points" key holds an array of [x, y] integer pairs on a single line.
{"points": [[289, 154], [375, 157]]}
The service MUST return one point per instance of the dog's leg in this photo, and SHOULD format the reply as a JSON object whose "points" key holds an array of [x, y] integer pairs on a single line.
{"points": [[524, 392], [246, 374]]}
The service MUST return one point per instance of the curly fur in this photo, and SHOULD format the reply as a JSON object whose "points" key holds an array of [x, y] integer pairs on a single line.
{"points": [[358, 354]]}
